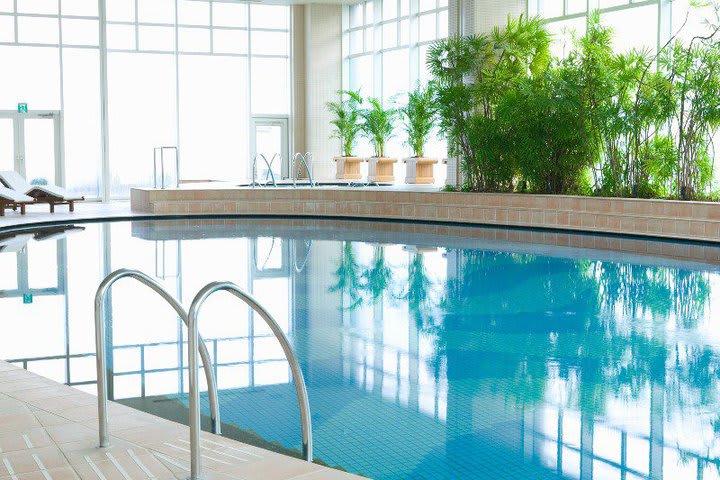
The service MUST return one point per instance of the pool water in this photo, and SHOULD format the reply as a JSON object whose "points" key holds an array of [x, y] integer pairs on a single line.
{"points": [[426, 355]]}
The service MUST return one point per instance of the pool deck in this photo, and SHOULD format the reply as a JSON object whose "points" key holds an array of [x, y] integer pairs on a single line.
{"points": [[38, 214], [48, 431]]}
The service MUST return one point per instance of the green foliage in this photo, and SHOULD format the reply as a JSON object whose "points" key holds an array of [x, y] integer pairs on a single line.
{"points": [[694, 70], [419, 117], [596, 122], [542, 119], [378, 125], [347, 119], [473, 74]]}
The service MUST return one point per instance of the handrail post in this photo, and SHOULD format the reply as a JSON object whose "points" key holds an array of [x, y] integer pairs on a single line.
{"points": [[193, 339], [101, 354]]}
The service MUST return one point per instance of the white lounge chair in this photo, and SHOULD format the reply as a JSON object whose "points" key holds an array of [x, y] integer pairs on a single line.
{"points": [[13, 199], [50, 194]]}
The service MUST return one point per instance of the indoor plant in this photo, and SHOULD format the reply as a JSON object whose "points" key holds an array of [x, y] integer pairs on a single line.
{"points": [[378, 125], [347, 127], [419, 120]]}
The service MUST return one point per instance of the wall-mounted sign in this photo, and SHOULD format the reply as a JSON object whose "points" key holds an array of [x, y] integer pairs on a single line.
{"points": [[22, 108], [27, 298]]}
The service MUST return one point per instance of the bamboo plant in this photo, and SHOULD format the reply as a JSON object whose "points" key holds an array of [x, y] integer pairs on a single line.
{"points": [[378, 125], [419, 118], [347, 119]]}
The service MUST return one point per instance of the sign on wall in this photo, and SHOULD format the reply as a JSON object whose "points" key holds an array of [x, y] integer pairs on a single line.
{"points": [[22, 107]]}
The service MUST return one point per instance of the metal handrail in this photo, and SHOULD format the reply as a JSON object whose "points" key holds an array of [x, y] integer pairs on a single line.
{"points": [[303, 159], [197, 303], [269, 166], [101, 355], [162, 166]]}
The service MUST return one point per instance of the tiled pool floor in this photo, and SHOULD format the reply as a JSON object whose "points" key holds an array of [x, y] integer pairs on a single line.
{"points": [[48, 431]]}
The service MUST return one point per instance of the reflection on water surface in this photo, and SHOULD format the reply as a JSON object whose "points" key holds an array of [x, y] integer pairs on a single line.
{"points": [[426, 356]]}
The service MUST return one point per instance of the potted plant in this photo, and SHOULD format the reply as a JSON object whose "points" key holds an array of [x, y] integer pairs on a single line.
{"points": [[347, 126], [378, 125], [419, 120]]}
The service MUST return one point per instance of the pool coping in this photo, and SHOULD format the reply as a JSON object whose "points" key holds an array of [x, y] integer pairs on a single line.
{"points": [[681, 249]]}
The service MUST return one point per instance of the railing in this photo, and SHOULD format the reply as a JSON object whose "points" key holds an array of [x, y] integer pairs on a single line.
{"points": [[101, 360], [269, 165], [162, 166], [304, 160], [194, 340]]}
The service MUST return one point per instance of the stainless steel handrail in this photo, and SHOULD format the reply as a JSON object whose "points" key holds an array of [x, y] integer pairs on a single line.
{"points": [[101, 356], [269, 166], [303, 159], [197, 303], [162, 166]]}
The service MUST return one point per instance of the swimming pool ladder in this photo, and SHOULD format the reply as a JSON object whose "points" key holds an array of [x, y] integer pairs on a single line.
{"points": [[304, 159], [269, 165], [194, 340], [101, 362], [196, 351]]}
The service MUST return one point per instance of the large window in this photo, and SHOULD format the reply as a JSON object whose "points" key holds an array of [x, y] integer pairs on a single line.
{"points": [[189, 73], [385, 43], [197, 96], [49, 54], [642, 24]]}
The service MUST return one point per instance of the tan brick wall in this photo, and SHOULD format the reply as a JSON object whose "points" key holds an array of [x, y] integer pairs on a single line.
{"points": [[656, 218]]}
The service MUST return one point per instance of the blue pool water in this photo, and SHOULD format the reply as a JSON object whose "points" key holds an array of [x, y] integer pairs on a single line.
{"points": [[428, 353]]}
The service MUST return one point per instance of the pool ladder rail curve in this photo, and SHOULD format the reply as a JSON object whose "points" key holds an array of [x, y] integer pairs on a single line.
{"points": [[196, 351]]}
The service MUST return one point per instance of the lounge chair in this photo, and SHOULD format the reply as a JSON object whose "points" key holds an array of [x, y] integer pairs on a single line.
{"points": [[13, 199], [50, 194]]}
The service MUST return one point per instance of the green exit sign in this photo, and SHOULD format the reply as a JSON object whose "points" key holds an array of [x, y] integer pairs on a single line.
{"points": [[22, 108], [27, 298]]}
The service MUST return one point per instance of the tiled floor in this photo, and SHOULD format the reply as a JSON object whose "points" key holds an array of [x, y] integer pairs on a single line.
{"points": [[48, 431]]}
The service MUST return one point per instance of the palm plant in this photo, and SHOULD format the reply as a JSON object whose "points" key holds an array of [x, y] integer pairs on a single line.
{"points": [[472, 74], [347, 119], [378, 125], [420, 119]]}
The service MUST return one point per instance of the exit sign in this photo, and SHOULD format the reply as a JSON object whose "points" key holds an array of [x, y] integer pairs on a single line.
{"points": [[22, 107]]}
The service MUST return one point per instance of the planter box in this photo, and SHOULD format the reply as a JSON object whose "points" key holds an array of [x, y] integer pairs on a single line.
{"points": [[348, 168], [380, 169], [420, 170]]}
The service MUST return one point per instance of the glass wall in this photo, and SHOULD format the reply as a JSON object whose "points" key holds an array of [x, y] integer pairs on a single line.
{"points": [[642, 24], [385, 43], [180, 72], [49, 54]]}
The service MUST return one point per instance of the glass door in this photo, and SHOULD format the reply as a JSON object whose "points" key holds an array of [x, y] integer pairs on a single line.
{"points": [[270, 139], [31, 144]]}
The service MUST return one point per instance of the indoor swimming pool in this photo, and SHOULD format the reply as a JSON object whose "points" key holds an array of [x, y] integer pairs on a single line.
{"points": [[428, 353]]}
